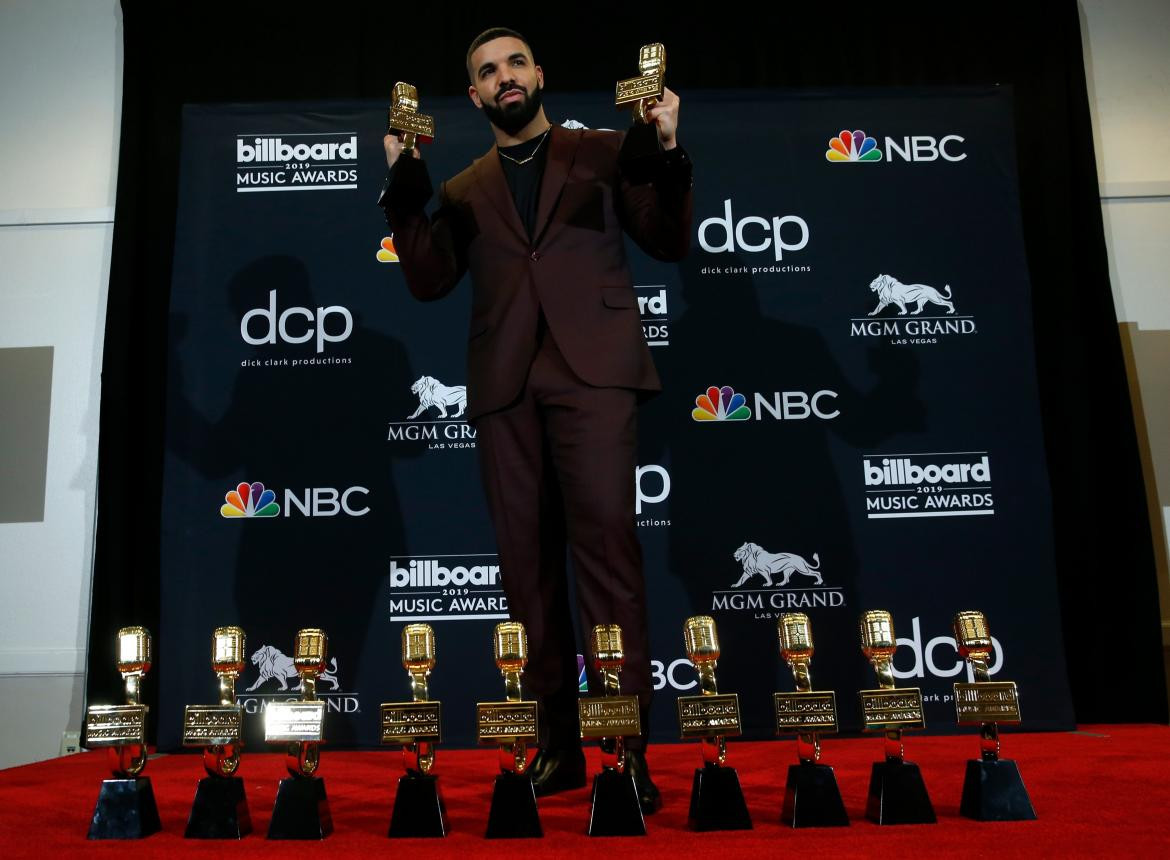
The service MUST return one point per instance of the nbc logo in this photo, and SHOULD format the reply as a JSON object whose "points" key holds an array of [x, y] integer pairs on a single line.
{"points": [[853, 146], [386, 252], [250, 500], [721, 404]]}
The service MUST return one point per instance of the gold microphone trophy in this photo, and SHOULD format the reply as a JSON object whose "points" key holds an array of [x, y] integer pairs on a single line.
{"points": [[716, 798], [220, 810], [405, 121], [641, 146], [416, 726], [125, 807], [512, 725], [615, 810], [897, 794], [301, 810], [992, 788], [811, 795]]}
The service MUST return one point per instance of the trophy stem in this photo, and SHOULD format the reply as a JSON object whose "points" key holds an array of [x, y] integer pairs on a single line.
{"points": [[302, 758], [408, 139], [808, 747], [227, 688], [989, 742], [802, 676], [895, 751], [133, 687], [418, 687], [309, 686], [221, 760]]}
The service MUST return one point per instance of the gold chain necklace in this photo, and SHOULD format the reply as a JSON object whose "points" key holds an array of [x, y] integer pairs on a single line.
{"points": [[535, 149]]}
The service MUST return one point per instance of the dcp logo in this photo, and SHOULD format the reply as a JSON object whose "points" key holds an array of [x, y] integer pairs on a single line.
{"points": [[924, 656], [652, 486], [782, 233], [296, 325]]}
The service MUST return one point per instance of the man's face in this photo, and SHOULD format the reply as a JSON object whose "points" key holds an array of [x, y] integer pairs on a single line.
{"points": [[505, 83]]}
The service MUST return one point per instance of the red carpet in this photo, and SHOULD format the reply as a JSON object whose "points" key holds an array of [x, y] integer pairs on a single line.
{"points": [[1104, 790]]}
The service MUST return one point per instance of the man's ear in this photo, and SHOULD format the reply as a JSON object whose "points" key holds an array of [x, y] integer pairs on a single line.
{"points": [[540, 76], [473, 94]]}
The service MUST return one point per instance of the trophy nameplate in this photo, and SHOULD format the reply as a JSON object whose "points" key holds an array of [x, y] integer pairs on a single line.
{"points": [[506, 722], [205, 725], [610, 716], [115, 725], [805, 712], [987, 702], [709, 716], [411, 722], [884, 710], [294, 722]]}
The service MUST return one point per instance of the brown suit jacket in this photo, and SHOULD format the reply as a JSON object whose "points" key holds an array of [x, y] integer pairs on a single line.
{"points": [[575, 268]]}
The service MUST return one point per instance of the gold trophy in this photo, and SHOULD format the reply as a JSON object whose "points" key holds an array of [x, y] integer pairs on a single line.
{"points": [[405, 121], [512, 725], [416, 726], [992, 787], [125, 808], [301, 810], [640, 93], [811, 795], [611, 718], [220, 810], [716, 797], [897, 794]]}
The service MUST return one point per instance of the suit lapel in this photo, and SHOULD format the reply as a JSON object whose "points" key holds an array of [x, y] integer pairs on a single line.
{"points": [[490, 176], [562, 149]]}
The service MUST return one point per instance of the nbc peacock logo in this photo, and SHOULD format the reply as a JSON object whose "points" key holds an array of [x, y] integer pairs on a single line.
{"points": [[386, 252], [853, 146], [721, 404], [250, 500]]}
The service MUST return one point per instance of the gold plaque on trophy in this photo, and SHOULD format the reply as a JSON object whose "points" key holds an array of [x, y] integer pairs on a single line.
{"points": [[206, 725], [506, 722], [411, 722], [805, 712], [405, 120], [640, 92], [987, 702], [882, 710], [115, 725], [294, 722], [610, 717], [709, 716]]}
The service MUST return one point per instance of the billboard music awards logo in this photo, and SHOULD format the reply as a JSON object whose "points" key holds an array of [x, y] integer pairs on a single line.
{"points": [[254, 500], [856, 147], [447, 588], [438, 419], [652, 308], [895, 300], [319, 161], [277, 680], [752, 234], [724, 404], [956, 484], [774, 582]]}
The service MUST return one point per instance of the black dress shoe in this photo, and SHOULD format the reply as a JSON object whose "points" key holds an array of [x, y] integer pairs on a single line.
{"points": [[648, 795], [556, 770]]}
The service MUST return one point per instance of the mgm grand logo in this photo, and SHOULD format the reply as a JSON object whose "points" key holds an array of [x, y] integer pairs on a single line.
{"points": [[898, 315], [767, 588], [277, 680], [438, 420]]}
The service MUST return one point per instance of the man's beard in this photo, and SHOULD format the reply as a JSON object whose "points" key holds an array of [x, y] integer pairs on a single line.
{"points": [[512, 117]]}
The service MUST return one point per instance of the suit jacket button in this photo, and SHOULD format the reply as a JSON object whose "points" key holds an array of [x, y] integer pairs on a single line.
{"points": [[534, 256]]}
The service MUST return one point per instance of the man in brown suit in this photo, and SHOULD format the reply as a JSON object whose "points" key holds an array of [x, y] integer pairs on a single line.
{"points": [[556, 363]]}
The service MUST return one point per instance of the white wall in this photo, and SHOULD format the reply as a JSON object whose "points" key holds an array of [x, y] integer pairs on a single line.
{"points": [[1127, 64], [60, 100]]}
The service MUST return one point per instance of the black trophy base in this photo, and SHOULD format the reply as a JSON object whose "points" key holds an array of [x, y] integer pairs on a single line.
{"points": [[616, 810], [897, 795], [220, 810], [301, 810], [513, 814], [812, 798], [639, 153], [993, 791], [125, 810], [717, 801], [418, 807]]}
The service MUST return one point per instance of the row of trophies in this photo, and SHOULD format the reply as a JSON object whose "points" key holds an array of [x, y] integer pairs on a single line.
{"points": [[992, 789]]}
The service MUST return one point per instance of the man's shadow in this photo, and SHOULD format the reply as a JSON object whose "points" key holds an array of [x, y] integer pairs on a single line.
{"points": [[295, 428], [784, 483]]}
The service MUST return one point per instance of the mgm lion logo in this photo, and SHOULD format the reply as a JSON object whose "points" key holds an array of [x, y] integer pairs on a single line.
{"points": [[756, 560], [431, 392], [891, 291], [272, 663]]}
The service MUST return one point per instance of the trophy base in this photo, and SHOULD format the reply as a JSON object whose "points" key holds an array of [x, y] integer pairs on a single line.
{"points": [[616, 810], [419, 809], [639, 153], [812, 798], [897, 795], [301, 810], [513, 813], [220, 810], [125, 810], [717, 801], [993, 791]]}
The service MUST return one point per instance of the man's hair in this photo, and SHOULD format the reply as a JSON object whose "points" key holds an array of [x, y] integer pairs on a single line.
{"points": [[485, 37]]}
